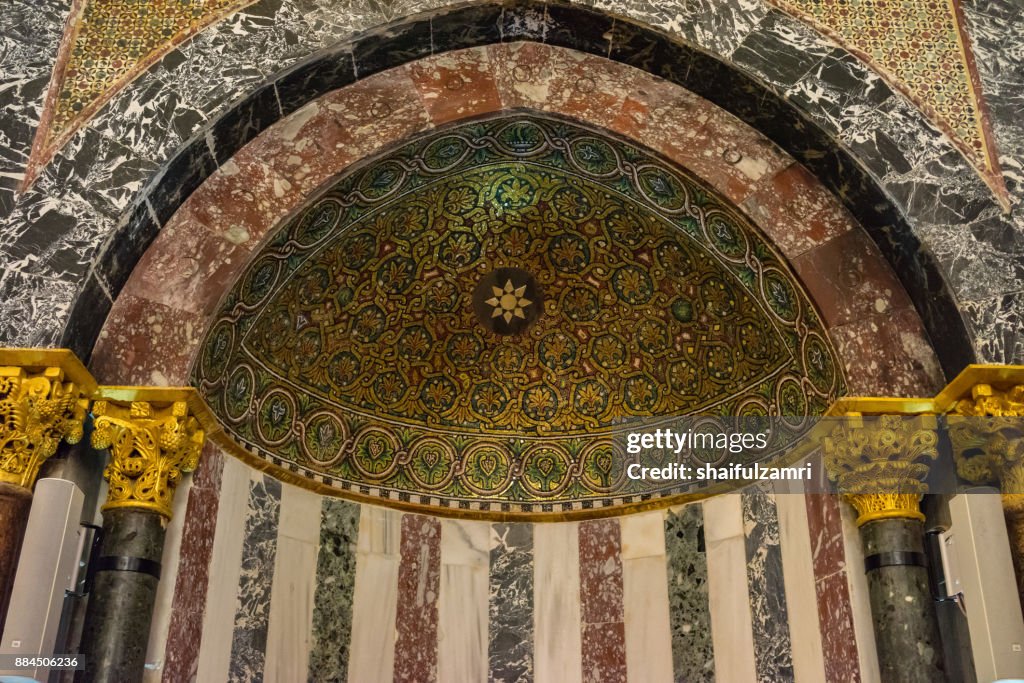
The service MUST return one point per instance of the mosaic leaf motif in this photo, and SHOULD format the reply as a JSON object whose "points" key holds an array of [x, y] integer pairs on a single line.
{"points": [[922, 49], [107, 45], [349, 350]]}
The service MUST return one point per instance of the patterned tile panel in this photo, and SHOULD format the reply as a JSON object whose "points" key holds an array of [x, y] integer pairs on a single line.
{"points": [[108, 44], [921, 48]]}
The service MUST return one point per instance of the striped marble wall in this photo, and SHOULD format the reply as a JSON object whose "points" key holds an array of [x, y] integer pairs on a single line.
{"points": [[738, 588]]}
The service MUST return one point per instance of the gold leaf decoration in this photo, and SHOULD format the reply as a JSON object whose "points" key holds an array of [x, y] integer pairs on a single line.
{"points": [[879, 464], [37, 411], [150, 448]]}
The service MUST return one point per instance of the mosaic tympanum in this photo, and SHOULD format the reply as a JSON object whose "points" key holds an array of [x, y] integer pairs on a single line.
{"points": [[360, 349]]}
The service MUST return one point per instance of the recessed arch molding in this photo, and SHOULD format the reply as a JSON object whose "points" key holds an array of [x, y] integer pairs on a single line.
{"points": [[728, 85]]}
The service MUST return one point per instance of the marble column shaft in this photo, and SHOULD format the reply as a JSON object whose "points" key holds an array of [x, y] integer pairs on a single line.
{"points": [[15, 502], [903, 612], [120, 608]]}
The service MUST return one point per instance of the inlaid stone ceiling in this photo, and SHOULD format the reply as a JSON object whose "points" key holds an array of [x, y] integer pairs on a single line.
{"points": [[920, 47], [470, 321]]}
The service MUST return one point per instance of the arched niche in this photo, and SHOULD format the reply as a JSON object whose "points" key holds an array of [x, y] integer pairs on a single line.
{"points": [[179, 288]]}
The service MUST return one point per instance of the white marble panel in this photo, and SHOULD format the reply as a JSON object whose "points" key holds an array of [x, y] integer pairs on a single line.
{"points": [[643, 535], [290, 627], [462, 622], [463, 600], [161, 622], [225, 568], [300, 514], [648, 631], [556, 598], [380, 530], [728, 596], [723, 517], [801, 595], [860, 599], [374, 607], [465, 542]]}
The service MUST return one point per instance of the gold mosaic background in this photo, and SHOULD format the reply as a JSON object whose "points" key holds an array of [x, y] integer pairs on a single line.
{"points": [[108, 44], [349, 352]]}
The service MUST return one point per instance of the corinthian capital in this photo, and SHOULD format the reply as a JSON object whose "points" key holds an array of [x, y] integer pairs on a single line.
{"points": [[152, 443], [41, 404], [879, 463], [986, 433]]}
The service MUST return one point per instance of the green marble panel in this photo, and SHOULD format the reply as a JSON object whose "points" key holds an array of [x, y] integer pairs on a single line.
{"points": [[693, 657], [335, 586]]}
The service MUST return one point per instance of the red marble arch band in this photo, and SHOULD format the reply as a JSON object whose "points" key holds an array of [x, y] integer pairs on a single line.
{"points": [[155, 326]]}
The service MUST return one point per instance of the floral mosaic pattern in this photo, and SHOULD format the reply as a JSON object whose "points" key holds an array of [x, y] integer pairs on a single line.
{"points": [[921, 47], [349, 350]]}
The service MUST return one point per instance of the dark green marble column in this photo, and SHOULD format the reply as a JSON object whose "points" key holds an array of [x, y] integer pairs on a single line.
{"points": [[15, 502], [154, 436], [120, 608], [906, 627]]}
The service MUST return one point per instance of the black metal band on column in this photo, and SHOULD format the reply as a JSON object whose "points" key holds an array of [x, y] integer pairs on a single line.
{"points": [[894, 558], [125, 563], [903, 613], [119, 613]]}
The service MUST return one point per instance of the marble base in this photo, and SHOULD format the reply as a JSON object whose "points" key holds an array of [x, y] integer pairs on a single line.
{"points": [[15, 502], [120, 610]]}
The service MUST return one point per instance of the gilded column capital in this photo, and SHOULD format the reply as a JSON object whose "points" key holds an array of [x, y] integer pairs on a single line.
{"points": [[879, 463], [986, 433], [43, 400], [152, 443]]}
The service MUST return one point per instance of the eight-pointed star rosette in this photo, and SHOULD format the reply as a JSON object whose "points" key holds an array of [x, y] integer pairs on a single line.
{"points": [[509, 301]]}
